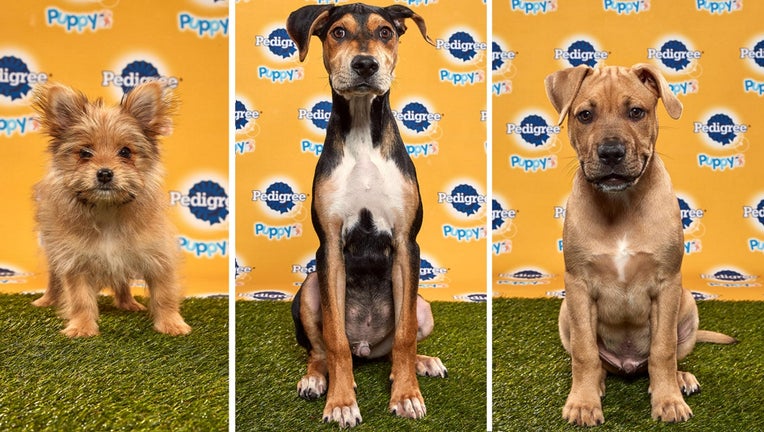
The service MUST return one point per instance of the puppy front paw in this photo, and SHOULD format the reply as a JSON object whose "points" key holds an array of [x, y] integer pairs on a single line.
{"points": [[44, 301], [430, 367], [671, 409], [311, 387], [74, 330], [173, 326], [344, 414], [583, 412]]}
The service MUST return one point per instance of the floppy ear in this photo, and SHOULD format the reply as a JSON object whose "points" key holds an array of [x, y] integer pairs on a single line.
{"points": [[653, 79], [399, 13], [562, 87], [304, 23], [153, 106], [59, 107]]}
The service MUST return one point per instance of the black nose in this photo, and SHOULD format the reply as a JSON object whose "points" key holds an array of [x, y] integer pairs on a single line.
{"points": [[364, 65], [611, 153], [104, 175]]}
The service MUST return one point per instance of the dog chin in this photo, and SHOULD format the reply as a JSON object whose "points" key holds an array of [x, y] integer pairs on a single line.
{"points": [[105, 197], [613, 184]]}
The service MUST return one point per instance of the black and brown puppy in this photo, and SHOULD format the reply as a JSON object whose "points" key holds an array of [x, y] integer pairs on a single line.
{"points": [[367, 212]]}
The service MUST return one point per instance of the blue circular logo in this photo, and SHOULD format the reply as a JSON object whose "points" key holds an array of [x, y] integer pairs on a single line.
{"points": [[527, 274], [760, 208], [426, 270], [466, 199], [496, 209], [584, 47], [9, 65], [281, 44], [729, 275], [685, 209], [241, 121], [476, 298], [209, 202], [4, 272], [321, 112], [722, 138], [676, 63], [463, 46], [268, 295], [277, 204], [141, 69], [759, 47], [415, 117], [497, 62], [537, 123]]}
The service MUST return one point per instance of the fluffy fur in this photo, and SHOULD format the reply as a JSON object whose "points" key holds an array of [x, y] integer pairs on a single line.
{"points": [[101, 207]]}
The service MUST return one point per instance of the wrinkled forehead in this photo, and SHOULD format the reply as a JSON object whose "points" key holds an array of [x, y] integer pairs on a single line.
{"points": [[614, 82], [357, 17]]}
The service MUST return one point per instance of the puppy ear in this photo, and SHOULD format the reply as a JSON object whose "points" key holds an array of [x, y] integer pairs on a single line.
{"points": [[399, 14], [153, 106], [562, 87], [653, 79], [304, 23], [59, 107]]}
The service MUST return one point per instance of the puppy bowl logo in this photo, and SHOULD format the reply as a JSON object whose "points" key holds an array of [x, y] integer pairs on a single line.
{"points": [[136, 72], [429, 273], [279, 197], [318, 115], [78, 22], [416, 118], [533, 7], [580, 52], [271, 295], [278, 43], [461, 46], [203, 26], [525, 277], [675, 55], [16, 80], [626, 7], [730, 278], [206, 200], [244, 116], [719, 7]]}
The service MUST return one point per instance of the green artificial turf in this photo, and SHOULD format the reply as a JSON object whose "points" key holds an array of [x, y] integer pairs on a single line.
{"points": [[269, 363], [531, 373], [130, 378]]}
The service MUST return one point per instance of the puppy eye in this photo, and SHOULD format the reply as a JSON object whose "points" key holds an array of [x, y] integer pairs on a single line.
{"points": [[339, 33], [125, 152], [385, 33], [585, 116], [86, 154], [636, 113]]}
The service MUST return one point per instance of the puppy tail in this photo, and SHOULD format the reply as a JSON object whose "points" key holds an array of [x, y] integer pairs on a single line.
{"points": [[714, 337]]}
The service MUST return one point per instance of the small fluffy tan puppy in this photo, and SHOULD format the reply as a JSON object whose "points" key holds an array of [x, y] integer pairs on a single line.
{"points": [[101, 207]]}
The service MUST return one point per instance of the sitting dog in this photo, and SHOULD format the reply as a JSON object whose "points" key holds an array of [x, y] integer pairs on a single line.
{"points": [[101, 209], [366, 210], [625, 310]]}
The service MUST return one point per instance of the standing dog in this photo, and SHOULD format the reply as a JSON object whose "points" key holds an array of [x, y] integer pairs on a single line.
{"points": [[625, 309], [101, 207], [366, 211]]}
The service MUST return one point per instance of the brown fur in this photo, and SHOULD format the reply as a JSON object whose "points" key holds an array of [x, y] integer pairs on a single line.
{"points": [[103, 233], [625, 310]]}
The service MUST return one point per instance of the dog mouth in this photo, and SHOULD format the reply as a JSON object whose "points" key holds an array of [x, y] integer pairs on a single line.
{"points": [[614, 182], [105, 194]]}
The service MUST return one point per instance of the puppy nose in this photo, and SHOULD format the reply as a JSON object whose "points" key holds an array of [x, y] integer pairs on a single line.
{"points": [[104, 175], [364, 65], [611, 153]]}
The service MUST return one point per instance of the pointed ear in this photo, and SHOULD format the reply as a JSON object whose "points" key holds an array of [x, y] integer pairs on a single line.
{"points": [[59, 107], [653, 79], [153, 107], [399, 14], [304, 23], [562, 87]]}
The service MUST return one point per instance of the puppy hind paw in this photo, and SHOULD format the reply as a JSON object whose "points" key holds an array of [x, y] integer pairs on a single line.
{"points": [[430, 367], [311, 387], [346, 415]]}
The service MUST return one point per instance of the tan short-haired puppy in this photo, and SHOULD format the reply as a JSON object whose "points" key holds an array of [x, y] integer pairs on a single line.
{"points": [[625, 310]]}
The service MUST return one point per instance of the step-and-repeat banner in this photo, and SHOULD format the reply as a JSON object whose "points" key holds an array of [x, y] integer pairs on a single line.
{"points": [[711, 53], [282, 109], [104, 48]]}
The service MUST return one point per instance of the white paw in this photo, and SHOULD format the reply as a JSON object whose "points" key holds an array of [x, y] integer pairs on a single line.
{"points": [[311, 387]]}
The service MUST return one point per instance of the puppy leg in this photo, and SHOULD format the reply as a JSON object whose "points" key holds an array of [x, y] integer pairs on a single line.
{"points": [[52, 295], [578, 333], [123, 298], [313, 384], [164, 304], [426, 365], [80, 306]]}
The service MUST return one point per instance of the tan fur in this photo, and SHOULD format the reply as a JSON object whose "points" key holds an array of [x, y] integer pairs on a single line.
{"points": [[625, 308], [98, 234]]}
